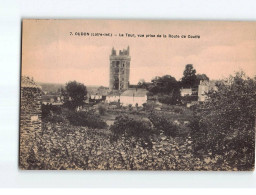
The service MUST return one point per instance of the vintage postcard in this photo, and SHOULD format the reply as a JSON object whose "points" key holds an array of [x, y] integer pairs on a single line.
{"points": [[137, 95]]}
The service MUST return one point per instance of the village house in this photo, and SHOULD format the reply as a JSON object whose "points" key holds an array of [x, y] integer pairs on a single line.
{"points": [[134, 97], [185, 92], [205, 87], [97, 94], [113, 96], [52, 99]]}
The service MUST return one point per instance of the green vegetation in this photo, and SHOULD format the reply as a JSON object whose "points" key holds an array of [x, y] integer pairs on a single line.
{"points": [[161, 123], [102, 109], [225, 124], [217, 134], [86, 119], [75, 94], [189, 78], [127, 126]]}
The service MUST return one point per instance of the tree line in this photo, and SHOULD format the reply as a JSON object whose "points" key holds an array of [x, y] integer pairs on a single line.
{"points": [[167, 88]]}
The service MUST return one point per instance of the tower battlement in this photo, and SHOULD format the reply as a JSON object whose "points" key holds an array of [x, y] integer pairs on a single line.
{"points": [[119, 69]]}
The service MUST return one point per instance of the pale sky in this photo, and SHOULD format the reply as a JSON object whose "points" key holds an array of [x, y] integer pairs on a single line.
{"points": [[50, 54]]}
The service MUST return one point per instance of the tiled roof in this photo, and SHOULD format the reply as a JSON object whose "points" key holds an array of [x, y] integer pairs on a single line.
{"points": [[29, 83], [114, 93], [186, 90], [135, 92]]}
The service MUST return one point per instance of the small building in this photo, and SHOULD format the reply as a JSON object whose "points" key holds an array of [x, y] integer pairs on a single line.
{"points": [[97, 94], [52, 99], [134, 97], [205, 87], [113, 96], [186, 92]]}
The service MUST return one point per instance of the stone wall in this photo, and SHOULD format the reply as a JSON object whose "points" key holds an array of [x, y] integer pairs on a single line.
{"points": [[30, 123]]}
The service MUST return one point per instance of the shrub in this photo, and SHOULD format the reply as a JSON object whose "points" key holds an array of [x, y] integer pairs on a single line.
{"points": [[161, 123], [199, 134], [130, 107], [189, 98], [149, 106], [178, 109], [49, 109], [52, 114], [168, 99], [130, 127], [87, 119], [102, 109]]}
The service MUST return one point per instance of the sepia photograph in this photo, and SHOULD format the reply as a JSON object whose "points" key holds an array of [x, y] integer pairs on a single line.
{"points": [[160, 95]]}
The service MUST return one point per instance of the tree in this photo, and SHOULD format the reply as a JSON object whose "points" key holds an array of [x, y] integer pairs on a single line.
{"points": [[226, 122], [164, 84], [201, 77], [75, 94], [167, 89], [189, 78]]}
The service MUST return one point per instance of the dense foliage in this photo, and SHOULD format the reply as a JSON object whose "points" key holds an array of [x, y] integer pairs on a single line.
{"points": [[86, 119], [51, 113], [225, 124], [189, 78], [166, 88], [75, 94], [132, 127], [102, 109], [161, 123]]}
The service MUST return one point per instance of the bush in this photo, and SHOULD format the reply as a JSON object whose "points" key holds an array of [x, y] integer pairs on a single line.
{"points": [[161, 123], [199, 134], [130, 107], [86, 119], [52, 113], [49, 109], [130, 127], [178, 110], [189, 98], [149, 106], [168, 99], [102, 109]]}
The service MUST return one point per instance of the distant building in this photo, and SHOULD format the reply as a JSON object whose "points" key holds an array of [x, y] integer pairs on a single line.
{"points": [[119, 69], [185, 92], [113, 96], [52, 99], [133, 97], [203, 88], [97, 94]]}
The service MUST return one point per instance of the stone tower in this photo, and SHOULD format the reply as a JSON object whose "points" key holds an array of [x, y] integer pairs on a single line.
{"points": [[119, 69]]}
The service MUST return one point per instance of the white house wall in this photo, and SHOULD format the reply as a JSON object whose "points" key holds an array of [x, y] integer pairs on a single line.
{"points": [[126, 100]]}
